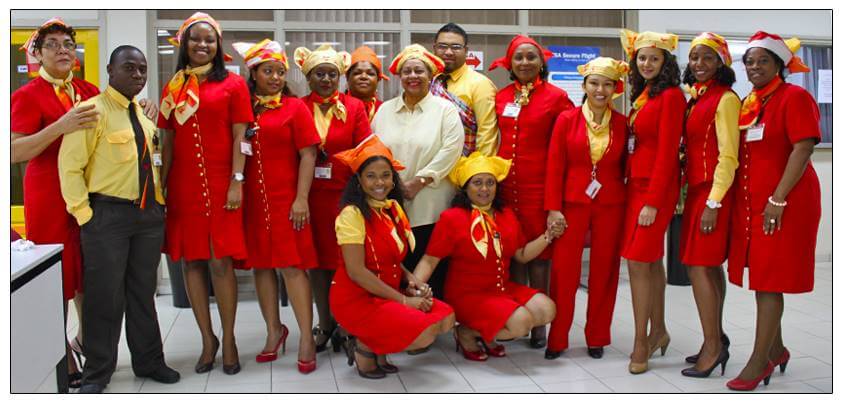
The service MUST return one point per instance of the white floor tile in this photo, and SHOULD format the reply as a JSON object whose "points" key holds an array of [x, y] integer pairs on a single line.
{"points": [[647, 382], [390, 384], [309, 386], [823, 384], [261, 387], [581, 386], [513, 389]]}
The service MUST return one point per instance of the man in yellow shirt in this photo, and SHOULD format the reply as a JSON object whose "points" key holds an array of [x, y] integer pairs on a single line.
{"points": [[109, 181], [471, 92]]}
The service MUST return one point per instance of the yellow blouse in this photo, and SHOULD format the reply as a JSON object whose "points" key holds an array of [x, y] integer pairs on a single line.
{"points": [[322, 120], [728, 138], [598, 134]]}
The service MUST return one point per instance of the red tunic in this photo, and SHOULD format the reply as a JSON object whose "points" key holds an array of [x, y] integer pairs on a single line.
{"points": [[325, 194], [479, 289], [697, 248], [197, 186], [271, 185], [34, 107], [784, 261], [524, 140], [654, 174], [385, 326]]}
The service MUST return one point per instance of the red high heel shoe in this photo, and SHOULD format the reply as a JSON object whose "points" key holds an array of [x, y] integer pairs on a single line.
{"points": [[497, 351], [751, 384], [269, 356], [782, 361], [478, 355], [306, 367]]}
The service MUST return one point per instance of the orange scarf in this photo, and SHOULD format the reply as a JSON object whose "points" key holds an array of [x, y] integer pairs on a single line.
{"points": [[181, 95], [522, 92], [268, 101], [371, 108], [639, 104], [752, 104], [483, 228], [394, 217], [334, 100], [64, 88], [698, 89]]}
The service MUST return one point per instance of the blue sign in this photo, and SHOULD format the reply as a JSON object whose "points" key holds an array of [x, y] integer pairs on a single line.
{"points": [[562, 68]]}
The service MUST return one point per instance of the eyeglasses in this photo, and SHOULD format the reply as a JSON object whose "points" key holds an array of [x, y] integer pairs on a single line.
{"points": [[455, 47], [333, 75], [55, 45]]}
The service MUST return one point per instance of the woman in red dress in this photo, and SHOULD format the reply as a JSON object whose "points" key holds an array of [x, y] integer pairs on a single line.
{"points": [[711, 148], [379, 302], [527, 110], [278, 177], [655, 130], [341, 123], [777, 203], [363, 78], [586, 191], [205, 111], [481, 236]]}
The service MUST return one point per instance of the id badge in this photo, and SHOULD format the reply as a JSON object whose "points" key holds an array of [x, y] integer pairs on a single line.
{"points": [[156, 159], [593, 188], [630, 144], [755, 133], [511, 110], [246, 148], [323, 171]]}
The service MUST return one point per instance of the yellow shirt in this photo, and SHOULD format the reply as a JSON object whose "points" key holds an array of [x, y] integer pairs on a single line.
{"points": [[350, 226], [322, 120], [728, 138], [104, 159], [478, 92], [598, 134]]}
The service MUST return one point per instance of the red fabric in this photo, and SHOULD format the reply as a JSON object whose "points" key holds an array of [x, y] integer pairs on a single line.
{"points": [[34, 107], [518, 40], [604, 266], [270, 189], [646, 244], [784, 261], [525, 140], [325, 194], [751, 105], [372, 108], [385, 326], [479, 289], [701, 148], [197, 186], [697, 248]]}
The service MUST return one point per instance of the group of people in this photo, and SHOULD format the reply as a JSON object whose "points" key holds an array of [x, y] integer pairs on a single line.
{"points": [[452, 203]]}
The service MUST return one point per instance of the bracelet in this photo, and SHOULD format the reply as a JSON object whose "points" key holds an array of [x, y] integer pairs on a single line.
{"points": [[775, 203]]}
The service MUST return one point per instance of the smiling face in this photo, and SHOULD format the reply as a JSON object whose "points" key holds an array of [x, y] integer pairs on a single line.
{"points": [[324, 79], [704, 63], [363, 80], [451, 48], [481, 189], [761, 67], [270, 77], [55, 56], [526, 63], [599, 90], [415, 78], [376, 179], [127, 74], [649, 62], [202, 44]]}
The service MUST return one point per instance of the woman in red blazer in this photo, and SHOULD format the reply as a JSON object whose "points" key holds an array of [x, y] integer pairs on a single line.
{"points": [[585, 190], [655, 130]]}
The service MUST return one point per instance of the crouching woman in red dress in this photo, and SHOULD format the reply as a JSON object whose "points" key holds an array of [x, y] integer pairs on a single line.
{"points": [[381, 304]]}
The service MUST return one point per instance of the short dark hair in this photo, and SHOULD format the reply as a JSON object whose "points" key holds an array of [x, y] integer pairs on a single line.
{"points": [[668, 76], [120, 49], [778, 60], [53, 29], [724, 75], [453, 28], [218, 71], [461, 199], [353, 194]]}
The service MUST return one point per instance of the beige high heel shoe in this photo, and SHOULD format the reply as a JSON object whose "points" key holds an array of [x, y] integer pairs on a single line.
{"points": [[662, 344], [636, 368]]}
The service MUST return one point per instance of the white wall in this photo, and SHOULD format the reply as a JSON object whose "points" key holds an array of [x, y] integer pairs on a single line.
{"points": [[43, 15], [814, 24], [126, 27], [822, 164]]}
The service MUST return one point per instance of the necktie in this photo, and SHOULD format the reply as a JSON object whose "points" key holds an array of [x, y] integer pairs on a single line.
{"points": [[143, 156]]}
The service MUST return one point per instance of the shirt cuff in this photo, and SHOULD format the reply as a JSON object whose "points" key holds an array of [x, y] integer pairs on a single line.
{"points": [[83, 215]]}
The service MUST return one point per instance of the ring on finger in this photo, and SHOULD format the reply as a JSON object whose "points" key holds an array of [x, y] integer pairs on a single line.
{"points": [[772, 221]]}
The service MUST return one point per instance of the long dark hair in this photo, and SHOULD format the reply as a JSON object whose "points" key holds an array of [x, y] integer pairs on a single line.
{"points": [[218, 71], [668, 76], [253, 86], [778, 60], [461, 199], [353, 194]]}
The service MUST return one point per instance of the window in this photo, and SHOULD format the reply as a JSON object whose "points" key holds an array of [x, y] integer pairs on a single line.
{"points": [[488, 17], [391, 16], [577, 18], [220, 15]]}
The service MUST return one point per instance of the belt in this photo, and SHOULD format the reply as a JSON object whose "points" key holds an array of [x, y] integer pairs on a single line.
{"points": [[111, 199]]}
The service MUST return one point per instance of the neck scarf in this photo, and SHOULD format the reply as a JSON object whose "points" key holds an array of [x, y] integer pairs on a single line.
{"points": [[181, 95], [333, 100], [268, 101], [371, 107], [599, 138], [698, 89], [752, 104], [639, 103], [64, 88], [483, 228], [394, 217], [522, 92]]}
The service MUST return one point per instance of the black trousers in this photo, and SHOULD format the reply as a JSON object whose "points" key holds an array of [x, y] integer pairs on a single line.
{"points": [[121, 249], [437, 279]]}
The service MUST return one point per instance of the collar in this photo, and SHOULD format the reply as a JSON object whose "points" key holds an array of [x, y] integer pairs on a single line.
{"points": [[379, 204], [118, 97], [459, 72], [58, 82], [484, 209], [400, 105], [589, 116]]}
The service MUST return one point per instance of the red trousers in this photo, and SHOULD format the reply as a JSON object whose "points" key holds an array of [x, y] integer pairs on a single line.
{"points": [[606, 223]]}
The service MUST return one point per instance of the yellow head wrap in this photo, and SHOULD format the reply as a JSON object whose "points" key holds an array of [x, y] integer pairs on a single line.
{"points": [[717, 43], [307, 59], [606, 67], [256, 53], [477, 163], [416, 51], [632, 41]]}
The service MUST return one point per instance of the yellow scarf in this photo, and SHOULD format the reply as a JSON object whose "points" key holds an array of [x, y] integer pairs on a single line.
{"points": [[395, 218], [638, 104], [64, 89], [483, 228], [522, 94], [598, 133], [182, 93], [268, 101]]}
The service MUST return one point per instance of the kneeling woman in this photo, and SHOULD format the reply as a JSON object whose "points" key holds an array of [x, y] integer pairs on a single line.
{"points": [[481, 236], [373, 297]]}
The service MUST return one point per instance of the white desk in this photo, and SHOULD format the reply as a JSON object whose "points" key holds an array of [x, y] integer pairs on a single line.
{"points": [[38, 328]]}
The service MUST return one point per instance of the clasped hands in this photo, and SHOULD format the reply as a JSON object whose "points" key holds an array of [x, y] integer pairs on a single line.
{"points": [[556, 225], [419, 295]]}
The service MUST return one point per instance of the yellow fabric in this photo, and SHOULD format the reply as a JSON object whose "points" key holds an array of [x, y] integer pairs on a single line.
{"points": [[478, 92], [307, 59], [104, 159], [477, 163], [717, 43], [350, 226], [269, 101], [256, 53], [606, 67], [598, 133], [482, 229], [323, 120], [632, 41], [416, 51], [182, 93], [58, 83], [728, 138]]}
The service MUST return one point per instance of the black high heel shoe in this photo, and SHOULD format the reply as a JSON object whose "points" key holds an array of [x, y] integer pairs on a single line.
{"points": [[386, 366], [724, 340], [595, 352], [552, 355], [350, 346], [328, 334], [722, 359], [202, 367], [538, 337], [232, 369], [338, 341], [74, 380]]}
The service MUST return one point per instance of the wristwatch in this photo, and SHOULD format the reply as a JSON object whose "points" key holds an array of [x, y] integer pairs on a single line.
{"points": [[238, 176], [712, 204]]}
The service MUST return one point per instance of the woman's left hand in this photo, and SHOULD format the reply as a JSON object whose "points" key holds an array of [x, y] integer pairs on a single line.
{"points": [[647, 216], [150, 109], [235, 195], [299, 213], [708, 221], [772, 218], [417, 288], [412, 188]]}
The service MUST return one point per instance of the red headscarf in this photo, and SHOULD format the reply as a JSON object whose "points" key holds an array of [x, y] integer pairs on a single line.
{"points": [[506, 61]]}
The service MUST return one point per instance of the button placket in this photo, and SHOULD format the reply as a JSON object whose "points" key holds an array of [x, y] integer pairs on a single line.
{"points": [[200, 156], [264, 198]]}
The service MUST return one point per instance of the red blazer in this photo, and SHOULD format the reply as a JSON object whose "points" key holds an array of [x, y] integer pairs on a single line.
{"points": [[701, 136], [657, 130], [569, 162]]}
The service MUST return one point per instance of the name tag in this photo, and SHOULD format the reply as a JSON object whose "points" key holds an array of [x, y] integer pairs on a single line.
{"points": [[246, 148], [156, 160], [630, 144], [511, 110], [323, 172], [755, 133], [593, 188]]}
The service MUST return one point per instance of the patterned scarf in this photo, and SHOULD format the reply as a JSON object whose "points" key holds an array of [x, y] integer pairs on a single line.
{"points": [[268, 101], [371, 108], [181, 95], [391, 213], [752, 104], [698, 89], [334, 100], [483, 228], [469, 121], [639, 104], [64, 88], [522, 92]]}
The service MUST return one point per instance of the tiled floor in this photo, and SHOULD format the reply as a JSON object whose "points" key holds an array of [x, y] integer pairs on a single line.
{"points": [[807, 327]]}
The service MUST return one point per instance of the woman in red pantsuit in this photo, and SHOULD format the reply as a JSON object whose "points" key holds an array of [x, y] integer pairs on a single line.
{"points": [[481, 237], [711, 149], [278, 178], [777, 200], [363, 78], [526, 111], [341, 123], [384, 307], [204, 114], [655, 129], [586, 191]]}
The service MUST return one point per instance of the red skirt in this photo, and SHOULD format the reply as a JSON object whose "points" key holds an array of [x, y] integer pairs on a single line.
{"points": [[324, 209], [646, 244], [487, 312], [699, 249], [272, 242]]}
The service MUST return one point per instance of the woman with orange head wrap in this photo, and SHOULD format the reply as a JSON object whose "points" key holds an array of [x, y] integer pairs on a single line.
{"points": [[363, 78]]}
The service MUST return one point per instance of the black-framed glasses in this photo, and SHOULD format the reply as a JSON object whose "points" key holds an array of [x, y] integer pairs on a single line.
{"points": [[55, 45], [455, 47]]}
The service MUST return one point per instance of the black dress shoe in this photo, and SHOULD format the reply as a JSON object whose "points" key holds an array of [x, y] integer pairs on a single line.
{"points": [[552, 355], [91, 388], [231, 369], [724, 340], [538, 343], [595, 352], [162, 374]]}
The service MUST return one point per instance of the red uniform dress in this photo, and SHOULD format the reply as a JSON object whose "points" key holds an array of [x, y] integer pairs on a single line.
{"points": [[524, 140], [654, 174], [569, 173], [783, 261], [699, 249], [34, 107], [372, 108], [200, 174], [325, 194], [478, 288], [385, 326], [271, 185]]}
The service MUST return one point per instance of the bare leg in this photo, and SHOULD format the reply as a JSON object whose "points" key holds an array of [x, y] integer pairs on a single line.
{"points": [[640, 284], [196, 285], [542, 309], [658, 282], [518, 324], [705, 287], [320, 282], [428, 336], [720, 281], [777, 348], [298, 289], [225, 289], [266, 287], [768, 321], [539, 273]]}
